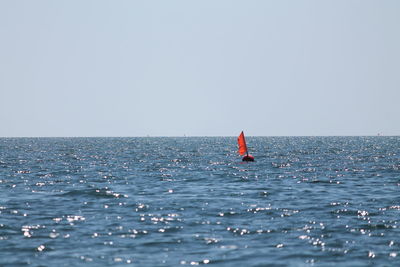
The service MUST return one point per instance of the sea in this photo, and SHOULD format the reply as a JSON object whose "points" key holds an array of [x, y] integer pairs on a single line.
{"points": [[185, 201]]}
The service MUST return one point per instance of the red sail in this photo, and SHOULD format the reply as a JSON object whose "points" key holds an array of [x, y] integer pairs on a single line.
{"points": [[242, 144]]}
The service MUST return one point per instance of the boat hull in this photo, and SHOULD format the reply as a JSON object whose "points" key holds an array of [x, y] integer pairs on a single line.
{"points": [[248, 158]]}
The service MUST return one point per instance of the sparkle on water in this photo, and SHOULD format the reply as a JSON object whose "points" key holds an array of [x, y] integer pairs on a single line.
{"points": [[191, 201]]}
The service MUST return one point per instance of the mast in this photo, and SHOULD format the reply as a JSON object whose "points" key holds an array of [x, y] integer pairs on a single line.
{"points": [[247, 150]]}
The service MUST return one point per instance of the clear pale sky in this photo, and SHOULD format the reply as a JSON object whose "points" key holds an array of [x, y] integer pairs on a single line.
{"points": [[203, 68]]}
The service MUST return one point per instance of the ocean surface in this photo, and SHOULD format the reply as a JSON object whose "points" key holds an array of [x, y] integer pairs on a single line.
{"points": [[305, 201]]}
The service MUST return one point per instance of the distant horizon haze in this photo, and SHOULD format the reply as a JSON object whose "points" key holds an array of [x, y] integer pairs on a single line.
{"points": [[198, 136]]}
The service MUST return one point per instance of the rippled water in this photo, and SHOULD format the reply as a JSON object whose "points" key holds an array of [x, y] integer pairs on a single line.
{"points": [[188, 201]]}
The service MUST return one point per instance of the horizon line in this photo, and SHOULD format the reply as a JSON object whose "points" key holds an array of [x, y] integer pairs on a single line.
{"points": [[184, 136]]}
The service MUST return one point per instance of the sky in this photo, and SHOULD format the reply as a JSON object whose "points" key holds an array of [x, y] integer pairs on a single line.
{"points": [[199, 68]]}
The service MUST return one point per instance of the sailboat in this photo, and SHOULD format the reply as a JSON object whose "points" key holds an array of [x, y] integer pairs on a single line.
{"points": [[243, 148]]}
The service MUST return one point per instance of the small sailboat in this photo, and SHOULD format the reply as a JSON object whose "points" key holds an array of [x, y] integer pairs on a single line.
{"points": [[243, 148]]}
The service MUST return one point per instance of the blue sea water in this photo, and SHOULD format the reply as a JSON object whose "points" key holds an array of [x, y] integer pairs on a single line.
{"points": [[306, 201]]}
